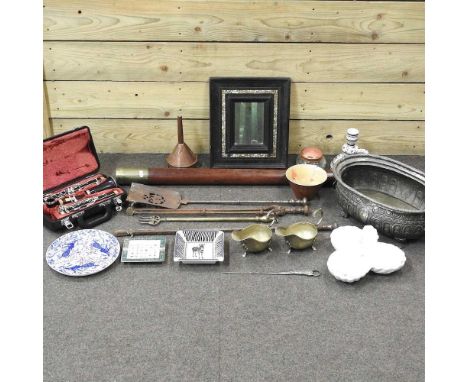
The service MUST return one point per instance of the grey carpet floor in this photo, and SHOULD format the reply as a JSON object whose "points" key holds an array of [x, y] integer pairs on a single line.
{"points": [[170, 322]]}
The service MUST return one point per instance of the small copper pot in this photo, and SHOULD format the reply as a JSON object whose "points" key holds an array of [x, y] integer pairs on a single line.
{"points": [[305, 180]]}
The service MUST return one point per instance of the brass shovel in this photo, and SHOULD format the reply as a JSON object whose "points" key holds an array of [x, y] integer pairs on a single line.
{"points": [[159, 197]]}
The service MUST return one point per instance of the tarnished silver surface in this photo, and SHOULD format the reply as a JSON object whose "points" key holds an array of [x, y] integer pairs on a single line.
{"points": [[382, 192]]}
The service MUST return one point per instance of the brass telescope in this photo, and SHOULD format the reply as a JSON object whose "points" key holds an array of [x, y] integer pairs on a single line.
{"points": [[188, 176]]}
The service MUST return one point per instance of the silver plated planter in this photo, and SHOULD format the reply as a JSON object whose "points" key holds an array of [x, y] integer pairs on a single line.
{"points": [[382, 192]]}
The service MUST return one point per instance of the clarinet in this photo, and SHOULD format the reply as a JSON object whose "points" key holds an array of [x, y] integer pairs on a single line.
{"points": [[82, 204], [53, 198]]}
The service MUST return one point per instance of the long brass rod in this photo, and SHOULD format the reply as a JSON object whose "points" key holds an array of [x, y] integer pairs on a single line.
{"points": [[154, 220], [201, 212], [146, 232], [277, 210], [240, 202]]}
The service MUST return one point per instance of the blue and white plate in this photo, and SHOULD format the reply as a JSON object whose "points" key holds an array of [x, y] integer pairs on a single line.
{"points": [[83, 253]]}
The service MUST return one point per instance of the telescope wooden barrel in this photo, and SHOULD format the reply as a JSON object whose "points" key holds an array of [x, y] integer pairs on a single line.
{"points": [[206, 176], [202, 176]]}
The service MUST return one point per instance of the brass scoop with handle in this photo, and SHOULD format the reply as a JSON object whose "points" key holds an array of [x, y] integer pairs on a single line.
{"points": [[163, 198]]}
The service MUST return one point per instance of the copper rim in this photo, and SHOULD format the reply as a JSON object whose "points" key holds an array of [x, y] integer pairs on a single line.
{"points": [[311, 153]]}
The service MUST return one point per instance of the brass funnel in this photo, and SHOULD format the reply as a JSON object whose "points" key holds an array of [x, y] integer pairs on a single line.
{"points": [[181, 156]]}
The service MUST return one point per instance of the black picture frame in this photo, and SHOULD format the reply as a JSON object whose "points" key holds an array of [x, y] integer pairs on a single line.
{"points": [[270, 94]]}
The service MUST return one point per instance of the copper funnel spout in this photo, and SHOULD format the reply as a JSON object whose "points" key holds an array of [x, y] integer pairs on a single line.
{"points": [[181, 156]]}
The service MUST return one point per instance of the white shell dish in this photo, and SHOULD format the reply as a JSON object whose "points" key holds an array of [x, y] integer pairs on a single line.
{"points": [[346, 237], [348, 266], [369, 236], [386, 258], [358, 251]]}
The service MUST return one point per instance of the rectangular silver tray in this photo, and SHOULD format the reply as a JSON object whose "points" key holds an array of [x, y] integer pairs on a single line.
{"points": [[199, 247]]}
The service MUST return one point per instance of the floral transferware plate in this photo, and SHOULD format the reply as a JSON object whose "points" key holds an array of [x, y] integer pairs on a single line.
{"points": [[199, 247], [83, 253]]}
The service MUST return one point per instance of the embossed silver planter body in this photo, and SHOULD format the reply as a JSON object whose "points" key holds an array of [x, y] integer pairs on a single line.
{"points": [[382, 192]]}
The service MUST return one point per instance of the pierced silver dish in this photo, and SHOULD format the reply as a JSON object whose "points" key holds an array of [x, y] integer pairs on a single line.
{"points": [[382, 192], [199, 246]]}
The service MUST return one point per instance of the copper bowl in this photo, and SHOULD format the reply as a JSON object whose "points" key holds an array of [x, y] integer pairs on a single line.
{"points": [[305, 180]]}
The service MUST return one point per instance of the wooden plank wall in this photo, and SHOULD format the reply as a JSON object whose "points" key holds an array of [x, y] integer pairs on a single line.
{"points": [[128, 68]]}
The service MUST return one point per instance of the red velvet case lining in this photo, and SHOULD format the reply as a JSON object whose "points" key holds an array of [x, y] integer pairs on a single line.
{"points": [[67, 158]]}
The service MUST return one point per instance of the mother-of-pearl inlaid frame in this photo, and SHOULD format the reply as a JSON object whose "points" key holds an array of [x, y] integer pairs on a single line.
{"points": [[224, 153], [225, 93]]}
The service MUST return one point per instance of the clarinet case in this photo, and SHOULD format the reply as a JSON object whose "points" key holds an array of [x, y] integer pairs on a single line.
{"points": [[75, 193]]}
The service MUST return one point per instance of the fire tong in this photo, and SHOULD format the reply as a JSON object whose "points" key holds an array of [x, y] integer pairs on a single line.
{"points": [[273, 209], [155, 220]]}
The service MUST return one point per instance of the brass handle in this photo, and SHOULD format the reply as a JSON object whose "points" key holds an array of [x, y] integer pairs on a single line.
{"points": [[319, 212]]}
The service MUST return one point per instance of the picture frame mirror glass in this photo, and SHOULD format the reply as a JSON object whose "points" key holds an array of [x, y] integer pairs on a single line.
{"points": [[249, 123]]}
